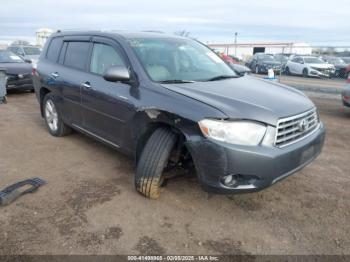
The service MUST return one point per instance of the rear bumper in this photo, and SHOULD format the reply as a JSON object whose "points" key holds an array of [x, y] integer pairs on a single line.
{"points": [[255, 167], [26, 83]]}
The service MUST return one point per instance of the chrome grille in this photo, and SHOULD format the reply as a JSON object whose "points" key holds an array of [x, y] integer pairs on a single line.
{"points": [[292, 129]]}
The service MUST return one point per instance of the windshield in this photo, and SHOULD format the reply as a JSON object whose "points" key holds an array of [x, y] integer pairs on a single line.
{"points": [[266, 58], [31, 50], [169, 59], [9, 57], [313, 60], [336, 60], [346, 60], [281, 58]]}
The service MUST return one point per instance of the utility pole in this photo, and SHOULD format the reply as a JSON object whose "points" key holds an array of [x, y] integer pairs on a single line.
{"points": [[236, 44]]}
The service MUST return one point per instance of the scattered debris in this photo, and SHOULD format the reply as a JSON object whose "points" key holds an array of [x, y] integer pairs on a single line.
{"points": [[12, 192]]}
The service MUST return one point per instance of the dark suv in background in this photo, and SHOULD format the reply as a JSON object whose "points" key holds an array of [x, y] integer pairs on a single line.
{"points": [[261, 63], [170, 102]]}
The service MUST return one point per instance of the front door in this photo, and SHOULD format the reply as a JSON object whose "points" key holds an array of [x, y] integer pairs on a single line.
{"points": [[106, 105]]}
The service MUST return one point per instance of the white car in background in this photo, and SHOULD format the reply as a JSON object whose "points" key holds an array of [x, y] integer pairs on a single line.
{"points": [[309, 66]]}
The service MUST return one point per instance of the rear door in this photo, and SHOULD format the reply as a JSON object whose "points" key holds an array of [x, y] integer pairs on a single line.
{"points": [[72, 71], [107, 106]]}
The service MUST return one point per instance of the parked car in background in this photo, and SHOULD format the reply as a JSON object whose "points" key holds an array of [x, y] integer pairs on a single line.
{"points": [[339, 64], [346, 93], [28, 52], [18, 72], [309, 66], [283, 59], [347, 69], [170, 102], [346, 59], [240, 69], [261, 63], [227, 58], [237, 59]]}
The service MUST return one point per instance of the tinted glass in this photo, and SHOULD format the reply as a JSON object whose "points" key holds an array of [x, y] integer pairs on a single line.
{"points": [[295, 59], [30, 50], [9, 57], [168, 59], [54, 49], [77, 54], [104, 57], [15, 50]]}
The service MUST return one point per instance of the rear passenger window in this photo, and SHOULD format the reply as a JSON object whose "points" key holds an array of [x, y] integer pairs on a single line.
{"points": [[104, 57], [54, 49], [77, 54]]}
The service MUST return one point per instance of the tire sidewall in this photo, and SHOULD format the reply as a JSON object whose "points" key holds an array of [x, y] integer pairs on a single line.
{"points": [[287, 71], [305, 72], [59, 123]]}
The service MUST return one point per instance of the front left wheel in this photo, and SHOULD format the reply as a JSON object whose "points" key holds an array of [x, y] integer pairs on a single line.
{"points": [[154, 159], [53, 118]]}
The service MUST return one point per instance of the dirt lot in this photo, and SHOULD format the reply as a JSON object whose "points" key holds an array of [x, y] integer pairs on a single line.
{"points": [[90, 206]]}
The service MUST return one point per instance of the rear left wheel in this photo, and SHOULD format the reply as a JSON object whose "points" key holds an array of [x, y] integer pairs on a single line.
{"points": [[53, 119], [153, 160]]}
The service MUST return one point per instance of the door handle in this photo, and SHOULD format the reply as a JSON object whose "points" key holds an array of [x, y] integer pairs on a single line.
{"points": [[55, 75], [86, 85]]}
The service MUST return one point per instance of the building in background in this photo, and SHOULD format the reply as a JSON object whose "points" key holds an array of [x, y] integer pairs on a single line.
{"points": [[246, 50], [42, 35]]}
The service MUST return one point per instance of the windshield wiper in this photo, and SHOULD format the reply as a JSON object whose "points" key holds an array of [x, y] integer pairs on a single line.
{"points": [[220, 77], [176, 81]]}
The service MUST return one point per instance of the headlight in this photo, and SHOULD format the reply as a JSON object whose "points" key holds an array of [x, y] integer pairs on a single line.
{"points": [[233, 132]]}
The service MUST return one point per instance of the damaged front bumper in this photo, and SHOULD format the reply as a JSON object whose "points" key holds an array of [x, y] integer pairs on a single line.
{"points": [[252, 168]]}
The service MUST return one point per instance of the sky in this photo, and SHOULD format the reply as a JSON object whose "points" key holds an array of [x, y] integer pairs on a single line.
{"points": [[316, 22]]}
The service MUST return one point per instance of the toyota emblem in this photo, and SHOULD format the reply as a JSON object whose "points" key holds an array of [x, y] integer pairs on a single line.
{"points": [[303, 125]]}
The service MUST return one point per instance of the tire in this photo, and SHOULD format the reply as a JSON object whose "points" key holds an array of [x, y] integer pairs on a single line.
{"points": [[153, 160], [288, 71], [305, 72], [53, 119], [257, 71]]}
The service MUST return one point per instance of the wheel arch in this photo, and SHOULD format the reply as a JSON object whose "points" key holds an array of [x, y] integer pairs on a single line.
{"points": [[43, 92], [148, 120]]}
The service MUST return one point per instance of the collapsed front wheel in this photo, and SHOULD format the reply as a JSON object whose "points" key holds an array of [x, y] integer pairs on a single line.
{"points": [[154, 158]]}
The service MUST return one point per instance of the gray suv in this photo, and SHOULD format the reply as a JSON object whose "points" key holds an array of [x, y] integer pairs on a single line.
{"points": [[172, 103]]}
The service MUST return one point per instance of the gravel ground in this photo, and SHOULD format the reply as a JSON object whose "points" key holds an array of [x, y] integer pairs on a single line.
{"points": [[89, 205]]}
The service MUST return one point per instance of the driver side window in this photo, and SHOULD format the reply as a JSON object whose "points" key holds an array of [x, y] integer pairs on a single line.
{"points": [[104, 57]]}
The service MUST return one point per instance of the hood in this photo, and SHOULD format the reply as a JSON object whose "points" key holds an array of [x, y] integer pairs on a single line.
{"points": [[322, 66], [340, 66], [16, 68], [247, 98]]}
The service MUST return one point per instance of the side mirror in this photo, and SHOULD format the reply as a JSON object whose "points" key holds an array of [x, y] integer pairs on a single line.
{"points": [[116, 74]]}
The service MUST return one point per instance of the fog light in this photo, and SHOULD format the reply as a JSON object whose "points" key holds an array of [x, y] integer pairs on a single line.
{"points": [[229, 180]]}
